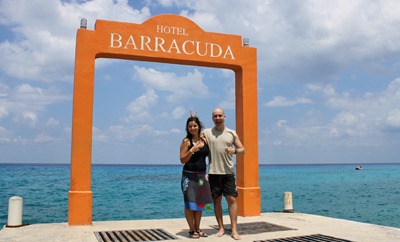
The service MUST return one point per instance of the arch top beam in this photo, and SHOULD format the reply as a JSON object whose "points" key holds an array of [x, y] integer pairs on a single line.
{"points": [[165, 38]]}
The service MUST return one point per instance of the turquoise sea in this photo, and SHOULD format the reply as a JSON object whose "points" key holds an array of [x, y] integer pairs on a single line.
{"points": [[131, 192]]}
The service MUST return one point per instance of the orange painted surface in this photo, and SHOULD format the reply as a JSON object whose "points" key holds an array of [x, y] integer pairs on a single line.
{"points": [[80, 208], [172, 39]]}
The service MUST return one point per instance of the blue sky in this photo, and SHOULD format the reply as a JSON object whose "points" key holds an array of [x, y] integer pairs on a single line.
{"points": [[328, 81]]}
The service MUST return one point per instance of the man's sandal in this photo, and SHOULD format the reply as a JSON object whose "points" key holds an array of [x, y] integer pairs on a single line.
{"points": [[201, 233], [193, 235]]}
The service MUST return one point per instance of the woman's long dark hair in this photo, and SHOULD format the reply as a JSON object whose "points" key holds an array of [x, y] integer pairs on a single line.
{"points": [[191, 119]]}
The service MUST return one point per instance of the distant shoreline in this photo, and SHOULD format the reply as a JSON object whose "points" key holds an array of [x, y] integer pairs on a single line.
{"points": [[150, 165]]}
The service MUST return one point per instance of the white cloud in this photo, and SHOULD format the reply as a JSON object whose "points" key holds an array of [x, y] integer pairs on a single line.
{"points": [[229, 102], [3, 112], [29, 117], [343, 54], [366, 116], [293, 37], [52, 122], [45, 47], [120, 134], [166, 3], [393, 118], [175, 114], [44, 138], [281, 123], [178, 112], [99, 136], [280, 101], [125, 133], [169, 86], [140, 108], [178, 88], [175, 131], [5, 135], [25, 103], [346, 118]]}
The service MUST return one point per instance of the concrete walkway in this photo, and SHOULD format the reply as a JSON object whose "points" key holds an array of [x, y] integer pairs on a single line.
{"points": [[281, 225]]}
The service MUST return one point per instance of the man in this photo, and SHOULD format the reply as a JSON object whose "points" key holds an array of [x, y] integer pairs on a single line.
{"points": [[221, 169]]}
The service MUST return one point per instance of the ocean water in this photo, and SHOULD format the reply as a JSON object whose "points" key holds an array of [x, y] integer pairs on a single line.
{"points": [[131, 192]]}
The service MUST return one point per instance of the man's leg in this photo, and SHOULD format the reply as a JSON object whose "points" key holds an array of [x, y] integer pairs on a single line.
{"points": [[232, 207], [218, 215]]}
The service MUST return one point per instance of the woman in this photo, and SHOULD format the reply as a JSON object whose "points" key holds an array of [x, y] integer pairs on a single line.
{"points": [[195, 185]]}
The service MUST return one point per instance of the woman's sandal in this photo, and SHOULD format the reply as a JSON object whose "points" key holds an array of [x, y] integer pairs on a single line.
{"points": [[193, 235], [201, 233]]}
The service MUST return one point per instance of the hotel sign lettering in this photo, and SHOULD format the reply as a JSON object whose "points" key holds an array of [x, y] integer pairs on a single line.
{"points": [[178, 45]]}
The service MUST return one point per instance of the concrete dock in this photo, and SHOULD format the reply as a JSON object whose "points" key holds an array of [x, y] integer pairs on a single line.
{"points": [[267, 227]]}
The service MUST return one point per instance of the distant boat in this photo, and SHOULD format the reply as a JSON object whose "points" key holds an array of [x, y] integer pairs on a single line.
{"points": [[358, 167]]}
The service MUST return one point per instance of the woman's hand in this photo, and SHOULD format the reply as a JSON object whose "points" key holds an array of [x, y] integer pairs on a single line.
{"points": [[192, 114], [197, 146]]}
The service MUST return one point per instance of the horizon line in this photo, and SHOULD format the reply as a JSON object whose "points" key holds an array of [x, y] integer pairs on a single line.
{"points": [[260, 164]]}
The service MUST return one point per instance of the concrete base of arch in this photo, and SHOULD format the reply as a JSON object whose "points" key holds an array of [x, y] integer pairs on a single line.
{"points": [[249, 199], [80, 207]]}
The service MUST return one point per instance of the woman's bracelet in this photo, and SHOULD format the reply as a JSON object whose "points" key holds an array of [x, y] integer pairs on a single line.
{"points": [[191, 151]]}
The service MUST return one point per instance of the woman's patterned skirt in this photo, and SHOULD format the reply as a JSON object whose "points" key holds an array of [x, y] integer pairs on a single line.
{"points": [[196, 191]]}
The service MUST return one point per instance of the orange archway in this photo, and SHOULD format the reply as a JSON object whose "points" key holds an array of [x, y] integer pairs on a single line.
{"points": [[172, 39]]}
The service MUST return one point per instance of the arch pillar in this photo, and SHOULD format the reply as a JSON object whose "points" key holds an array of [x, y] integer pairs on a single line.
{"points": [[80, 194], [249, 199]]}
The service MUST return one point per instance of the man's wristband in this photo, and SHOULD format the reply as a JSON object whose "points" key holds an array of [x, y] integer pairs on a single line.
{"points": [[235, 151]]}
